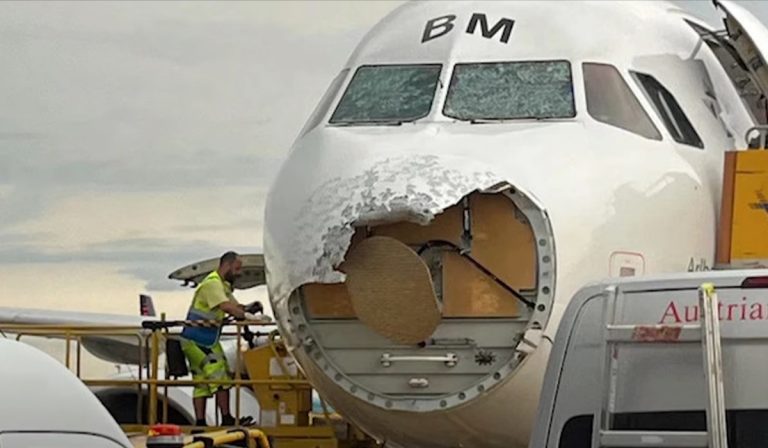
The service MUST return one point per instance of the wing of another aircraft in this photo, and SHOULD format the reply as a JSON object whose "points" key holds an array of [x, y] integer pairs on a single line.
{"points": [[53, 317], [120, 349]]}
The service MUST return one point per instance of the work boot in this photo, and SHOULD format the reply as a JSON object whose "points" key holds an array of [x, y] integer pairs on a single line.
{"points": [[202, 423], [228, 420]]}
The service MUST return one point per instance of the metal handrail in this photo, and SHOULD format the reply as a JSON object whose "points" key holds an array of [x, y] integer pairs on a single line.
{"points": [[148, 340]]}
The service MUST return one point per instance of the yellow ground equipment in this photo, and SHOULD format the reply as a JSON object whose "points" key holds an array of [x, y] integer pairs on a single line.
{"points": [[171, 436], [285, 406], [743, 233], [249, 438]]}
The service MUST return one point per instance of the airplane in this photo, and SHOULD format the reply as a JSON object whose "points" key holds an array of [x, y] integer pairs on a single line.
{"points": [[470, 167], [39, 395]]}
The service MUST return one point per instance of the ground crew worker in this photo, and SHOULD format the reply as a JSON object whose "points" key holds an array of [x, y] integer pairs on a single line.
{"points": [[212, 301]]}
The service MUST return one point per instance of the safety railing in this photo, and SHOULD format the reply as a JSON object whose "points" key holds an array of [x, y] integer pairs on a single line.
{"points": [[148, 340]]}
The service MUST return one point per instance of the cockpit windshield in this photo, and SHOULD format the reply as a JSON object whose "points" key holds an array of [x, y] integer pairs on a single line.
{"points": [[388, 94], [510, 91]]}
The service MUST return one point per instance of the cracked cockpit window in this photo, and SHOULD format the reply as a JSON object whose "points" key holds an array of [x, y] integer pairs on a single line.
{"points": [[510, 91], [388, 93]]}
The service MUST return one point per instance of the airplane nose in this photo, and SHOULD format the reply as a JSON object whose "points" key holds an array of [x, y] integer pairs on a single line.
{"points": [[478, 258], [408, 278]]}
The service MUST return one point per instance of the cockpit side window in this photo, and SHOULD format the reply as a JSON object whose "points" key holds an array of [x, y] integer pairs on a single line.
{"points": [[610, 101], [325, 102], [669, 110], [387, 94], [510, 91]]}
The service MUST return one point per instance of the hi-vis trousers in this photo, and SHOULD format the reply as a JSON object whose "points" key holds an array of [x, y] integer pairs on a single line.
{"points": [[206, 364]]}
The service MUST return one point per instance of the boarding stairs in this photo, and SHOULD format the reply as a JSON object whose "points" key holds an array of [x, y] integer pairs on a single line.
{"points": [[708, 332]]}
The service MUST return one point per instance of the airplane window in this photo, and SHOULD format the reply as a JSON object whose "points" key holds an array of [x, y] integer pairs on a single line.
{"points": [[511, 90], [610, 101], [670, 111], [388, 93]]}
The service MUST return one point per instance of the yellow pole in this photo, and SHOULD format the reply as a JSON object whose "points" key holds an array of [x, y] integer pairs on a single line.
{"points": [[67, 350], [153, 386], [78, 354]]}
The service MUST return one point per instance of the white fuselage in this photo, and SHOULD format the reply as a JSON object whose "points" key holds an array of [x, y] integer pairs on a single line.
{"points": [[618, 203]]}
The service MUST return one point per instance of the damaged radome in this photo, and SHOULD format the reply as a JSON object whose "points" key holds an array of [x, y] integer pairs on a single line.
{"points": [[419, 301]]}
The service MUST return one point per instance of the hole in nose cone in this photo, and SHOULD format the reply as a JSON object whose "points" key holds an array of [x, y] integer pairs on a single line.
{"points": [[421, 301], [391, 290]]}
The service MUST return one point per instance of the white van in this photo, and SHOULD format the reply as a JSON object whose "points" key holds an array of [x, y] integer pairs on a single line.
{"points": [[43, 404], [659, 386]]}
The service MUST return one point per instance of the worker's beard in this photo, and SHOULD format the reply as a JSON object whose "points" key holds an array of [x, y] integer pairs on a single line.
{"points": [[231, 277]]}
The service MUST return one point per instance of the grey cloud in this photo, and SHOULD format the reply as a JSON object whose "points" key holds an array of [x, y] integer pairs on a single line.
{"points": [[143, 174], [132, 99], [26, 201], [148, 259], [191, 228]]}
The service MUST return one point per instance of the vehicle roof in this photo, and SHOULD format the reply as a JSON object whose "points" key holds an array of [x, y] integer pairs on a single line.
{"points": [[40, 394], [722, 278]]}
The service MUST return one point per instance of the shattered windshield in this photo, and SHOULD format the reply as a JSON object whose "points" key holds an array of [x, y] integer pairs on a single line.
{"points": [[510, 90], [388, 93]]}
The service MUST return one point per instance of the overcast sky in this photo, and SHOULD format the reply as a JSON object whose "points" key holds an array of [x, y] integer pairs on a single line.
{"points": [[139, 137]]}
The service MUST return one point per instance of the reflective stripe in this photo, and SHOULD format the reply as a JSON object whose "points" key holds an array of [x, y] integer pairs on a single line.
{"points": [[197, 314], [217, 374], [213, 357]]}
